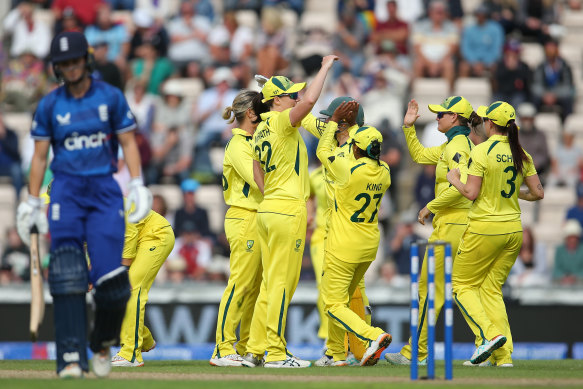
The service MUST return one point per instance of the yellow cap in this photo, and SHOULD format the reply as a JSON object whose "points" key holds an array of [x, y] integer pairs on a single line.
{"points": [[455, 104], [364, 137], [500, 112], [279, 85]]}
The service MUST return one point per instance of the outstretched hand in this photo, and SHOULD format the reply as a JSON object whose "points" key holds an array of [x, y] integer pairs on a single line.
{"points": [[346, 111], [328, 60], [412, 113]]}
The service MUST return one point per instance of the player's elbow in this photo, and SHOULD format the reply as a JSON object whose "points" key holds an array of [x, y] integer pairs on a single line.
{"points": [[540, 194], [472, 195]]}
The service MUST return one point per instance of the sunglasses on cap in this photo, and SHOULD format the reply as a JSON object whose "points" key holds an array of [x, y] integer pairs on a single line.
{"points": [[293, 96], [441, 114]]}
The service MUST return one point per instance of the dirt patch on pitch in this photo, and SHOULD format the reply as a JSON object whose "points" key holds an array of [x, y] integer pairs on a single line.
{"points": [[44, 374]]}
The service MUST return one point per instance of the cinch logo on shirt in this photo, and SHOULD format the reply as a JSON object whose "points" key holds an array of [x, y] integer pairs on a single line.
{"points": [[79, 142]]}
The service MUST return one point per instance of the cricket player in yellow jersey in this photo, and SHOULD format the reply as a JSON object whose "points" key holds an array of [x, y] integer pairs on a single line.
{"points": [[147, 245], [353, 236], [490, 244], [283, 157], [454, 117], [243, 196]]}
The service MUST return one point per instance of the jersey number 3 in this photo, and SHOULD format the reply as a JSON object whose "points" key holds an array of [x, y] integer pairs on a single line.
{"points": [[510, 182], [356, 216]]}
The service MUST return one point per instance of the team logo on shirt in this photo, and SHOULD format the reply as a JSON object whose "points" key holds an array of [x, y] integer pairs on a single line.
{"points": [[103, 114], [64, 120], [250, 244], [298, 244]]}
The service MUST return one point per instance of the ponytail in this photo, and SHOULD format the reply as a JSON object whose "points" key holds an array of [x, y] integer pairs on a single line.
{"points": [[260, 107], [227, 115], [374, 150], [518, 154]]}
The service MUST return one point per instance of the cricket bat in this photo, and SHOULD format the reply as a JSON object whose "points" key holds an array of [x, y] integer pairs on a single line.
{"points": [[37, 300]]}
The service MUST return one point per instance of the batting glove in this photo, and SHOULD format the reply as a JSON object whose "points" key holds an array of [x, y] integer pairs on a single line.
{"points": [[139, 200], [29, 214]]}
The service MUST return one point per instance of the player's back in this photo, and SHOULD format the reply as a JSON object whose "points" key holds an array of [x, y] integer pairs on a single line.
{"points": [[498, 197], [354, 234]]}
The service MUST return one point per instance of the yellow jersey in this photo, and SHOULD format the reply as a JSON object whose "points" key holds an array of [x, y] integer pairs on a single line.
{"points": [[280, 149], [359, 187], [452, 154], [318, 190], [498, 197], [239, 187], [151, 224]]}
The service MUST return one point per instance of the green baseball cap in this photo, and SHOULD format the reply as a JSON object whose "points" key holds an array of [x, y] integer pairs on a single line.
{"points": [[455, 104], [336, 103]]}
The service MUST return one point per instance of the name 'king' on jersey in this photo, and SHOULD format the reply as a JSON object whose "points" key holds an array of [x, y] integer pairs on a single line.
{"points": [[83, 131]]}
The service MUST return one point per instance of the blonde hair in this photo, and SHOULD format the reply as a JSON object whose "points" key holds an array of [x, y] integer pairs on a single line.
{"points": [[242, 102]]}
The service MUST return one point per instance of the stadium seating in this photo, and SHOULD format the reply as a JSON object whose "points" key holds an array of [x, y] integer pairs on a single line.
{"points": [[429, 91], [550, 124], [532, 54], [478, 91]]}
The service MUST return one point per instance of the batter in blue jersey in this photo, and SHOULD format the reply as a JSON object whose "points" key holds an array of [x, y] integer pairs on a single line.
{"points": [[85, 121]]}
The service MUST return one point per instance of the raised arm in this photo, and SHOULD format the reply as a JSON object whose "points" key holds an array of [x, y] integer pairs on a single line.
{"points": [[419, 153]]}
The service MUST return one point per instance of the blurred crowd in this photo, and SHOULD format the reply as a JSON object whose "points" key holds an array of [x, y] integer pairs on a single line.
{"points": [[180, 62]]}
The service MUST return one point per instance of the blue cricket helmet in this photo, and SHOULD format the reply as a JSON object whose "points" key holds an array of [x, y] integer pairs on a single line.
{"points": [[68, 45]]}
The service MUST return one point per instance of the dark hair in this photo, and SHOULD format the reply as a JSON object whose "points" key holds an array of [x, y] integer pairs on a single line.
{"points": [[372, 152], [260, 107], [518, 154]]}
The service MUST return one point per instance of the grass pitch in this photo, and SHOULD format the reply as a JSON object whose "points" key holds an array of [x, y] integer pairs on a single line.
{"points": [[199, 374]]}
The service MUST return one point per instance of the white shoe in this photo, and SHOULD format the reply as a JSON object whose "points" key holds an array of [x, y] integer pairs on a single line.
{"points": [[120, 361], [325, 360], [229, 360], [484, 351], [251, 360], [340, 363], [150, 349], [72, 370], [486, 363], [505, 365], [373, 353], [288, 363], [351, 360], [400, 360], [101, 363]]}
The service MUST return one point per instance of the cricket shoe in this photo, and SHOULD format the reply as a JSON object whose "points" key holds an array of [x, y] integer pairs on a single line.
{"points": [[250, 360], [351, 360], [400, 360], [145, 350], [325, 360], [120, 361], [288, 363], [101, 363], [486, 363], [505, 365], [234, 360], [373, 353], [484, 351], [72, 370], [341, 363]]}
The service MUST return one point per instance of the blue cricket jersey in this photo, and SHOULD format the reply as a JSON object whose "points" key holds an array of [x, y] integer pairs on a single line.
{"points": [[83, 132]]}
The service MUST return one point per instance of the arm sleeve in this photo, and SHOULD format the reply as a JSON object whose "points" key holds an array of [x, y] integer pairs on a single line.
{"points": [[313, 125], [130, 245], [337, 167], [419, 153], [282, 123], [122, 118], [530, 169], [41, 122], [243, 161], [458, 160]]}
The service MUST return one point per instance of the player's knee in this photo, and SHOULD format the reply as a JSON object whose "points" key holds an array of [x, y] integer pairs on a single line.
{"points": [[68, 271], [113, 290]]}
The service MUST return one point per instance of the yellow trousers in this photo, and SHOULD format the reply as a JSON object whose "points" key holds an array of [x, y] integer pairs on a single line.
{"points": [[339, 280], [479, 271], [448, 226], [282, 230], [153, 249], [244, 282], [317, 245]]}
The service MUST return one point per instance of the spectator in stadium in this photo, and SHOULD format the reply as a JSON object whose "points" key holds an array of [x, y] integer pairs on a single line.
{"points": [[504, 12], [567, 162], [188, 36], [69, 21], [273, 54], [576, 211], [190, 212], [194, 250], [348, 41], [24, 82], [568, 269], [151, 68], [455, 9], [85, 11], [533, 140], [172, 138], [10, 157], [212, 126], [435, 42], [150, 30], [394, 29], [400, 243], [114, 34], [481, 45], [122, 4], [15, 257], [105, 69], [27, 34], [534, 18], [425, 186], [530, 268], [553, 86], [512, 78], [142, 104]]}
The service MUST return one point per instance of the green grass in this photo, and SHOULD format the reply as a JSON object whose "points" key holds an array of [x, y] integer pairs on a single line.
{"points": [[198, 374]]}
